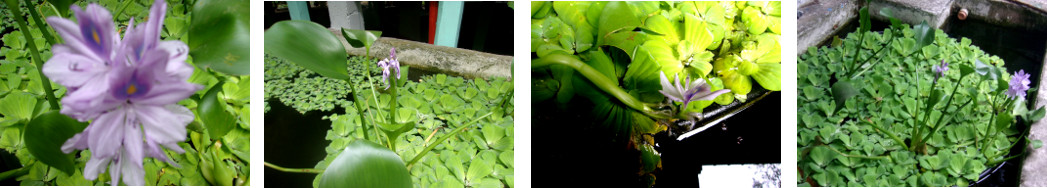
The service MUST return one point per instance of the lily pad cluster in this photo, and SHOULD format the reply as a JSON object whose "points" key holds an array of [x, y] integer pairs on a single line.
{"points": [[208, 159], [480, 156], [856, 142], [305, 90]]}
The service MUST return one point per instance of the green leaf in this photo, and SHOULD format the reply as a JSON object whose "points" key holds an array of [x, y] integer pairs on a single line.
{"points": [[886, 12], [1003, 120], [769, 76], [506, 158], [1036, 144], [986, 70], [454, 164], [1035, 115], [866, 24], [366, 164], [843, 90], [219, 36], [822, 155], [478, 169], [924, 35], [61, 5], [360, 38], [309, 45], [966, 69], [212, 113], [17, 106], [617, 16], [45, 135]]}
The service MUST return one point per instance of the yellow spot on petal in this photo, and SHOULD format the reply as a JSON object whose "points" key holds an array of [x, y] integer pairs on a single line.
{"points": [[95, 35], [131, 89]]}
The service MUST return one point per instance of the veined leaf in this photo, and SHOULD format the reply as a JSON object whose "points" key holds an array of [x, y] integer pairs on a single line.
{"points": [[366, 164], [219, 36], [309, 45]]}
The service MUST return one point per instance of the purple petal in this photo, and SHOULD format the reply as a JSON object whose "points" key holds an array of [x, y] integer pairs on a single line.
{"points": [[168, 93], [96, 165], [153, 150], [155, 22], [97, 29], [162, 124], [666, 85], [74, 70], [712, 95], [78, 141], [176, 66], [131, 157], [107, 133], [74, 41]]}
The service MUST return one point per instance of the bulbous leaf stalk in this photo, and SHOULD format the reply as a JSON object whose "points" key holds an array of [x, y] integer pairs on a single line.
{"points": [[601, 81]]}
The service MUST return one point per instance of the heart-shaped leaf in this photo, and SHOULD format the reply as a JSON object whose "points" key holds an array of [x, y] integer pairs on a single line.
{"points": [[924, 35], [360, 38], [309, 45], [843, 90], [219, 36], [45, 135], [366, 164]]}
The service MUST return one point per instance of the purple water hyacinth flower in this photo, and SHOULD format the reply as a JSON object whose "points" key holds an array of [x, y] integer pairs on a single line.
{"points": [[386, 64], [939, 70], [81, 63], [132, 101], [1018, 85], [688, 91]]}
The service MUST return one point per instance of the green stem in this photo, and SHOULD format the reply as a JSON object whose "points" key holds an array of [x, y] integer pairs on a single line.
{"points": [[854, 156], [857, 50], [14, 173], [442, 138], [359, 107], [992, 120], [294, 170], [875, 54], [895, 137], [121, 10], [40, 24], [393, 86], [598, 79], [915, 142], [48, 91], [939, 124]]}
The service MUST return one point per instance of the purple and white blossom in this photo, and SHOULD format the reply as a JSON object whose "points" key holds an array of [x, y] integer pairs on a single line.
{"points": [[1018, 85], [386, 64], [688, 91], [127, 88], [939, 70]]}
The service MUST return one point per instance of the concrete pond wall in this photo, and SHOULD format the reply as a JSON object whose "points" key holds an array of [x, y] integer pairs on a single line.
{"points": [[456, 61], [820, 20]]}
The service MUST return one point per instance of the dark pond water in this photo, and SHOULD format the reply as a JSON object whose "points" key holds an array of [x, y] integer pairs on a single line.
{"points": [[567, 144], [294, 140]]}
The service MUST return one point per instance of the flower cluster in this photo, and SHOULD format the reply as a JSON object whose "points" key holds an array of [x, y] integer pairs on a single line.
{"points": [[939, 70], [386, 64], [688, 91], [1018, 85], [127, 88]]}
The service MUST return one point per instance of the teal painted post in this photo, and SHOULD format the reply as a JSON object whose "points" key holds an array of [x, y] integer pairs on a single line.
{"points": [[299, 10], [448, 22]]}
